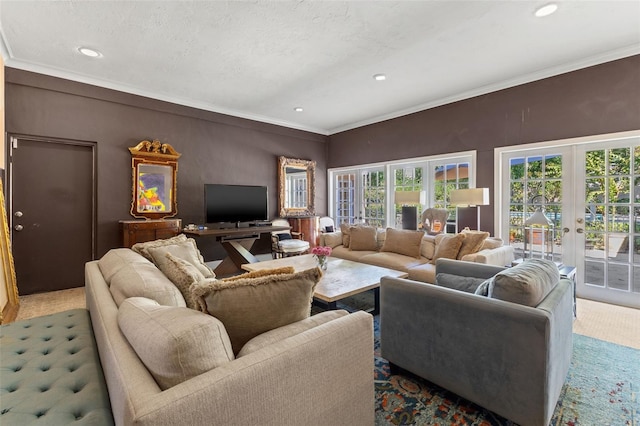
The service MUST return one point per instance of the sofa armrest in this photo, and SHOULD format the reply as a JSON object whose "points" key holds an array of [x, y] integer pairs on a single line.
{"points": [[466, 269], [476, 347], [499, 256]]}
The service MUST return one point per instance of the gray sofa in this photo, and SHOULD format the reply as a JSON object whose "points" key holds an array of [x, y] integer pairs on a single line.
{"points": [[321, 375], [507, 357]]}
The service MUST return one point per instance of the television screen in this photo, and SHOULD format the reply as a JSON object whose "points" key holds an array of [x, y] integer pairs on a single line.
{"points": [[235, 203]]}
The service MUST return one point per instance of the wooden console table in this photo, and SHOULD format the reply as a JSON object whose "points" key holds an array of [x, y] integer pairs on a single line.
{"points": [[141, 231], [237, 242]]}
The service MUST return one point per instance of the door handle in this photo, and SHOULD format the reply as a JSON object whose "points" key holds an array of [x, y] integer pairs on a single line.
{"points": [[18, 228], [565, 230], [579, 230], [18, 214]]}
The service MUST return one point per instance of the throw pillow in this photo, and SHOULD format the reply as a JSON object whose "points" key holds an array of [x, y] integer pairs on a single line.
{"points": [[249, 307], [328, 228], [262, 273], [428, 247], [492, 243], [403, 241], [284, 236], [116, 259], [186, 250], [472, 242], [527, 283], [345, 228], [457, 282], [447, 246], [332, 239], [363, 238], [183, 274], [141, 248], [175, 344], [483, 289], [144, 280]]}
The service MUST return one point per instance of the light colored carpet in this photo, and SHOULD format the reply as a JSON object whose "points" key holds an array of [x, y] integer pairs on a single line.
{"points": [[611, 323]]}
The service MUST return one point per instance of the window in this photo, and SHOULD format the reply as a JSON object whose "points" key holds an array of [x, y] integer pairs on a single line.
{"points": [[365, 194]]}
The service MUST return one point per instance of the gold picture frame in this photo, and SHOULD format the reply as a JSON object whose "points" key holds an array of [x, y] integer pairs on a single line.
{"points": [[296, 187], [154, 168]]}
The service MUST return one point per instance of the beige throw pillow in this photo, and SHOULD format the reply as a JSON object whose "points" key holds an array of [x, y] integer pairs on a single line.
{"points": [[428, 248], [492, 243], [447, 246], [175, 344], [141, 248], [345, 229], [183, 274], [363, 238], [472, 242], [249, 307], [144, 280], [332, 239], [186, 250], [403, 241]]}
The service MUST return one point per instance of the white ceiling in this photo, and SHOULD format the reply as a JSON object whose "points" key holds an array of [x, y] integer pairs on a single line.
{"points": [[261, 59]]}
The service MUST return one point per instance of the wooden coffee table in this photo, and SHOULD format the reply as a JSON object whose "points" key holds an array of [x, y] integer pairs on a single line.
{"points": [[342, 278]]}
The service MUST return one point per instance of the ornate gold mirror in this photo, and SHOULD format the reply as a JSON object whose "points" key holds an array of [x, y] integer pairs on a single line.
{"points": [[155, 167], [296, 187]]}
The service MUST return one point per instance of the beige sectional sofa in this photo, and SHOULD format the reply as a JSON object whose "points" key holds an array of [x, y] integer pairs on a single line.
{"points": [[166, 364], [413, 251]]}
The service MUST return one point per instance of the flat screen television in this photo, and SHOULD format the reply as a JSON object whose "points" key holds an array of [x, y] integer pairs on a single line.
{"points": [[235, 203]]}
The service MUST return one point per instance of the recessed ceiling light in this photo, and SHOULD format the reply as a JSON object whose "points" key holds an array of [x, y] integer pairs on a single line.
{"points": [[298, 109], [89, 52], [546, 10], [379, 77]]}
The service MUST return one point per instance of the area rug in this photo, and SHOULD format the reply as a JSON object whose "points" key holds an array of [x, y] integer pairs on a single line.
{"points": [[602, 388]]}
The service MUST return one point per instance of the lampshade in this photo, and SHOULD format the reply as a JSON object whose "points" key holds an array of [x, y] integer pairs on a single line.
{"points": [[470, 197], [410, 197], [538, 218]]}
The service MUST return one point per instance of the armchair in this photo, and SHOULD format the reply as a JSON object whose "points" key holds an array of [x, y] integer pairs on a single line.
{"points": [[287, 243]]}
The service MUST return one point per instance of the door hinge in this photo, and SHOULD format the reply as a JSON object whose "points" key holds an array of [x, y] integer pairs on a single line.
{"points": [[14, 143]]}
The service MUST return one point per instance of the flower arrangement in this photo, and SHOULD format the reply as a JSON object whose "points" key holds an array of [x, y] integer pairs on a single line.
{"points": [[321, 253]]}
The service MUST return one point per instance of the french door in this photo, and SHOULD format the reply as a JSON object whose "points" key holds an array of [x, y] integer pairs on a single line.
{"points": [[589, 190], [360, 196]]}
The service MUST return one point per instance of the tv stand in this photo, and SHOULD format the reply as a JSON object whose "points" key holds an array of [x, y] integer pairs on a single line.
{"points": [[237, 242]]}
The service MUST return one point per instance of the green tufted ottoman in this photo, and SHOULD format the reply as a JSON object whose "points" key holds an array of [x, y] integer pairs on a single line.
{"points": [[50, 372]]}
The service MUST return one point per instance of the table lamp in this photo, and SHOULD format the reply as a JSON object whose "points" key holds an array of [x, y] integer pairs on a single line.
{"points": [[467, 202], [409, 200]]}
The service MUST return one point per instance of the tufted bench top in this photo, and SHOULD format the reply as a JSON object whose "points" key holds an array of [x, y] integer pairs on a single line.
{"points": [[50, 372]]}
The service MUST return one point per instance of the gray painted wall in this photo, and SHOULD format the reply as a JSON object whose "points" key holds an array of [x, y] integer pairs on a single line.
{"points": [[597, 100]]}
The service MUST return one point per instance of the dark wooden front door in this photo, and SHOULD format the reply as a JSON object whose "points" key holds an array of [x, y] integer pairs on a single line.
{"points": [[52, 212]]}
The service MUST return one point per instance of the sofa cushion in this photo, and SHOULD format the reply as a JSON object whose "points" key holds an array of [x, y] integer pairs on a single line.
{"points": [[281, 333], [403, 241], [186, 250], [472, 242], [142, 248], [251, 306], [457, 282], [182, 274], [527, 283], [390, 260], [344, 253], [175, 344], [144, 280], [428, 247], [332, 239], [116, 259], [363, 238], [447, 246]]}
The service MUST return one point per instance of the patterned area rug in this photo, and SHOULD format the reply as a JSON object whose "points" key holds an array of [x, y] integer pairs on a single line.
{"points": [[602, 388]]}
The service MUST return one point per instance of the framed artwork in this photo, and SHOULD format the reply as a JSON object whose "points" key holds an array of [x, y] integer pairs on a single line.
{"points": [[154, 166]]}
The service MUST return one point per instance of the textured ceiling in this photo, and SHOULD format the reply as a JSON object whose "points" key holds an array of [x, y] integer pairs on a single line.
{"points": [[260, 59]]}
